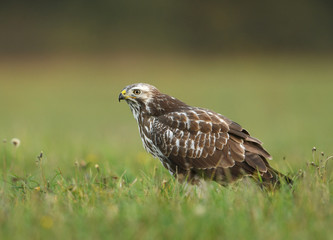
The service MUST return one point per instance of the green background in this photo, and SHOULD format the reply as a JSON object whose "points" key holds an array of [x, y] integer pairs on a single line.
{"points": [[267, 66]]}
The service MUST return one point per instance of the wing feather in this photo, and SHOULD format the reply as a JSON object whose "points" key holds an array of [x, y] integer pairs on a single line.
{"points": [[201, 139]]}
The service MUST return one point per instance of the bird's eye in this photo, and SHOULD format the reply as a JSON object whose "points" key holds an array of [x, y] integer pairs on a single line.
{"points": [[136, 91]]}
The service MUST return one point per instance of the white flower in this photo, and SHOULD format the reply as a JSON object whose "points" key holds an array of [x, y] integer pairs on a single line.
{"points": [[16, 142]]}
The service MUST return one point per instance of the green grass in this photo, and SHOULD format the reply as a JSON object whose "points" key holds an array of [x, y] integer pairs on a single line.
{"points": [[68, 109]]}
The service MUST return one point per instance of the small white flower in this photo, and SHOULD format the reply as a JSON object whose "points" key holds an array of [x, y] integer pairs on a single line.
{"points": [[16, 142], [97, 167]]}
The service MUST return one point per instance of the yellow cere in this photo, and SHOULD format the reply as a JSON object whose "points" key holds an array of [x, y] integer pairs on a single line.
{"points": [[124, 94]]}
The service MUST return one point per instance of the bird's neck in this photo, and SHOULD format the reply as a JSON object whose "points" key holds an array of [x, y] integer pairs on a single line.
{"points": [[159, 105], [162, 104]]}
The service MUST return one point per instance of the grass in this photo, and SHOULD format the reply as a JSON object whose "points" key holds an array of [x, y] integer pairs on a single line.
{"points": [[93, 179]]}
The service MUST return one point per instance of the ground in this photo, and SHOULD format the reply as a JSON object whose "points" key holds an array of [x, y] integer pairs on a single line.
{"points": [[94, 179]]}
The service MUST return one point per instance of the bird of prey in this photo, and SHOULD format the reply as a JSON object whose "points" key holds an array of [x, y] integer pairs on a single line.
{"points": [[195, 143]]}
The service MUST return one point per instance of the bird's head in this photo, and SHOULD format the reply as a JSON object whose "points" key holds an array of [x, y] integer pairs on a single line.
{"points": [[142, 97], [139, 93]]}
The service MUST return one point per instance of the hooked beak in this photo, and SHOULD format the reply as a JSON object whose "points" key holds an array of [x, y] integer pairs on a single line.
{"points": [[122, 95]]}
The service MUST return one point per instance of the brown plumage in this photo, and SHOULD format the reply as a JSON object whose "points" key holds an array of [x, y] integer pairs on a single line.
{"points": [[195, 143]]}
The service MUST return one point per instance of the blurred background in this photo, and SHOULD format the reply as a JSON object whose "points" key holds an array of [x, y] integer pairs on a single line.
{"points": [[196, 27], [267, 65]]}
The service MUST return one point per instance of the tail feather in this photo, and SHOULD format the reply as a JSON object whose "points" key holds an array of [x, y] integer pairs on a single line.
{"points": [[274, 177], [261, 169]]}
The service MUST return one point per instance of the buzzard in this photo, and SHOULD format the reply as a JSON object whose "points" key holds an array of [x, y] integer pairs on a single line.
{"points": [[195, 143]]}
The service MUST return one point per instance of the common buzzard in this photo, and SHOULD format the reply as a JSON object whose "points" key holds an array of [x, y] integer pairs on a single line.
{"points": [[195, 143]]}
